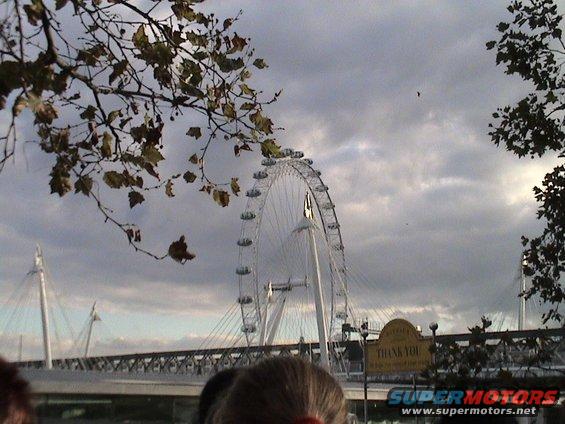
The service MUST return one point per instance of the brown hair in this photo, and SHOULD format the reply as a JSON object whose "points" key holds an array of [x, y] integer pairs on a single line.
{"points": [[15, 397], [282, 391]]}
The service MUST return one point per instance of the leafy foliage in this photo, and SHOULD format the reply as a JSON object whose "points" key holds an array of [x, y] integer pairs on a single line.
{"points": [[100, 100], [531, 46], [466, 365]]}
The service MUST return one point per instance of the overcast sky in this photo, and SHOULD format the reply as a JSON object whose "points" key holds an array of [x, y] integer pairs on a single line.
{"points": [[431, 211]]}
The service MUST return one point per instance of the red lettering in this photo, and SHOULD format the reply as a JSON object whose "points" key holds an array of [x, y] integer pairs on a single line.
{"points": [[535, 397], [550, 397], [490, 397], [520, 397], [473, 397], [505, 396]]}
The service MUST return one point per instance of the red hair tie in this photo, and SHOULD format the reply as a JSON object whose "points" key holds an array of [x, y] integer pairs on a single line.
{"points": [[307, 420]]}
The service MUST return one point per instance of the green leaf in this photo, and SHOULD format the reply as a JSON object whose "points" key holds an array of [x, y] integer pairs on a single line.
{"points": [[260, 63], [227, 64], [194, 132], [60, 182], [10, 77], [113, 115], [169, 189], [89, 113], [83, 185], [19, 105], [114, 179], [247, 106], [229, 110], [191, 90], [238, 43], [269, 148], [221, 197], [134, 234], [200, 55], [197, 40], [59, 82], [152, 155], [551, 97], [490, 45], [189, 177], [140, 40], [59, 4], [34, 11], [91, 55], [182, 10], [178, 251], [135, 198], [118, 69], [262, 123], [151, 170], [234, 185], [246, 90], [106, 148], [44, 111]]}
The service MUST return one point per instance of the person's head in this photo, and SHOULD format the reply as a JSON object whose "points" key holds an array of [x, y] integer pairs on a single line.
{"points": [[15, 398], [282, 391], [214, 390]]}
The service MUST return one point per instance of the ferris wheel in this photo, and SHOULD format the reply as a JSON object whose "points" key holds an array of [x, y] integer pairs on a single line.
{"points": [[291, 272]]}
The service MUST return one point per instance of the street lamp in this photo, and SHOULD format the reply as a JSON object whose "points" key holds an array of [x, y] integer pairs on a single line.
{"points": [[365, 334], [433, 327]]}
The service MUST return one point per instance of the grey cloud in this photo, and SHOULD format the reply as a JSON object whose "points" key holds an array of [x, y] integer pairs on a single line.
{"points": [[423, 197]]}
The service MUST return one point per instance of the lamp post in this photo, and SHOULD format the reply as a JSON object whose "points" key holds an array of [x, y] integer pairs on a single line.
{"points": [[433, 327], [365, 334]]}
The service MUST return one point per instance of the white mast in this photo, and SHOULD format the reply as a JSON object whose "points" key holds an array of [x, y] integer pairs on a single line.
{"points": [[265, 314], [39, 269], [276, 319], [317, 285], [93, 318], [522, 311]]}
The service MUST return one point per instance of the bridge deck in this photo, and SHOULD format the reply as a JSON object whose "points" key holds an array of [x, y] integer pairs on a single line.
{"points": [[103, 383]]}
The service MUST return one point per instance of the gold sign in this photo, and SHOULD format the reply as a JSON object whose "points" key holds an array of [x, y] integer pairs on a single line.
{"points": [[400, 348]]}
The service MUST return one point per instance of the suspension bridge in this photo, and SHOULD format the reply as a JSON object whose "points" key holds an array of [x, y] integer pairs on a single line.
{"points": [[297, 296]]}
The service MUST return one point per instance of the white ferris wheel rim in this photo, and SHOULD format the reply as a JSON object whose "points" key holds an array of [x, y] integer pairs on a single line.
{"points": [[292, 163]]}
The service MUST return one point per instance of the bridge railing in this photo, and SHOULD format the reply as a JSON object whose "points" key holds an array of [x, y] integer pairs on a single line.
{"points": [[348, 362]]}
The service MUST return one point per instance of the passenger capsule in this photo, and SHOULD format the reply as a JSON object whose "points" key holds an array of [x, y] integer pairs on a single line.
{"points": [[242, 270], [260, 175], [268, 162], [309, 161], [316, 173], [248, 328], [321, 188], [333, 225], [287, 152], [253, 192], [247, 215], [341, 315], [244, 242], [297, 155], [245, 300]]}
